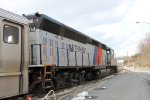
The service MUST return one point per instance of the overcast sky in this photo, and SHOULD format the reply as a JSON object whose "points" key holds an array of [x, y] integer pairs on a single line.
{"points": [[112, 22]]}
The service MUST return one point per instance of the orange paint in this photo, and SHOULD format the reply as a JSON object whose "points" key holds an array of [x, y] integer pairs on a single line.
{"points": [[100, 56], [97, 56]]}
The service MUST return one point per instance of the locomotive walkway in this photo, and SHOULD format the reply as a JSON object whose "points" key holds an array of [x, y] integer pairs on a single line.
{"points": [[127, 85]]}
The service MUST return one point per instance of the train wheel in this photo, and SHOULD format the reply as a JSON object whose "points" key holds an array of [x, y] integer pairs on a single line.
{"points": [[88, 76]]}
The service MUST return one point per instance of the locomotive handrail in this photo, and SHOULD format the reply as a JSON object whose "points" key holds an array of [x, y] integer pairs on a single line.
{"points": [[46, 97]]}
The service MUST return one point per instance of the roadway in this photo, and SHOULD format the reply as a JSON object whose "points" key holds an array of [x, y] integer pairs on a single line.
{"points": [[126, 85]]}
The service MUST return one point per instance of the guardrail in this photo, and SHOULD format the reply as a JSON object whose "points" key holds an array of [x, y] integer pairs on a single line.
{"points": [[48, 96]]}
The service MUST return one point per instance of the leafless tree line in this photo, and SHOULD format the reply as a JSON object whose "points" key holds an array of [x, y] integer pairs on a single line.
{"points": [[143, 57]]}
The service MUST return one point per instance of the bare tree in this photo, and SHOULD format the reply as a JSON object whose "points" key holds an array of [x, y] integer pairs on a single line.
{"points": [[143, 58]]}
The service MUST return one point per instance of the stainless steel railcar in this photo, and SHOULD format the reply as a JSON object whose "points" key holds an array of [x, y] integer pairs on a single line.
{"points": [[62, 56], [14, 54], [50, 55]]}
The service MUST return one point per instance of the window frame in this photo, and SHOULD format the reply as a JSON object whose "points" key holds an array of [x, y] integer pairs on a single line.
{"points": [[4, 34]]}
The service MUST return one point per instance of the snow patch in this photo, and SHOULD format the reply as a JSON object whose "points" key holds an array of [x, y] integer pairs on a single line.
{"points": [[81, 96]]}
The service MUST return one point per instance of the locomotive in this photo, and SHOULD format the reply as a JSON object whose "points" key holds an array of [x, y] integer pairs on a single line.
{"points": [[38, 52]]}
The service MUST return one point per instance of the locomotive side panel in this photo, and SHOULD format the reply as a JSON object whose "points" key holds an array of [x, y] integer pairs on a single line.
{"points": [[79, 52], [85, 60], [63, 52], [100, 56], [52, 48], [95, 58], [79, 58], [72, 62], [44, 48], [104, 57], [113, 60], [90, 51]]}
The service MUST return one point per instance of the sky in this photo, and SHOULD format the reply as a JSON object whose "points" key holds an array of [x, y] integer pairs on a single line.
{"points": [[112, 22]]}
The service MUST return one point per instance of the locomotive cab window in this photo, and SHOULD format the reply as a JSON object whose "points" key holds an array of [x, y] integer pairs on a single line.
{"points": [[11, 34]]}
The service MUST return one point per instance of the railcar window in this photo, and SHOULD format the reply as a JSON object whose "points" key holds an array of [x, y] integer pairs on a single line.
{"points": [[10, 34]]}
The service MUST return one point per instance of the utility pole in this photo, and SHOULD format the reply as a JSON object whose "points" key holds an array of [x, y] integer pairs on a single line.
{"points": [[128, 58]]}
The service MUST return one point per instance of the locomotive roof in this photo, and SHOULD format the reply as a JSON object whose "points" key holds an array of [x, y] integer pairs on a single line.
{"points": [[13, 17], [49, 24]]}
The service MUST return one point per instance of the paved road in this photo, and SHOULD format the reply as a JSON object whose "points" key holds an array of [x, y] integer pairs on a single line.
{"points": [[125, 86]]}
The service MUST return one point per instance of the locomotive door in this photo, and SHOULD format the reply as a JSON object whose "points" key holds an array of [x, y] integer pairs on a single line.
{"points": [[10, 58], [11, 47]]}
